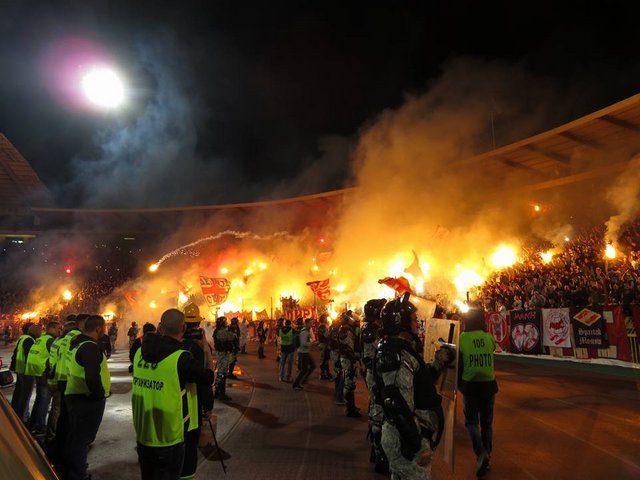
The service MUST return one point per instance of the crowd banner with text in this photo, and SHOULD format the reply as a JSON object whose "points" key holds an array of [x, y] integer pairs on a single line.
{"points": [[526, 332], [556, 328], [311, 312], [589, 330], [215, 290], [498, 326]]}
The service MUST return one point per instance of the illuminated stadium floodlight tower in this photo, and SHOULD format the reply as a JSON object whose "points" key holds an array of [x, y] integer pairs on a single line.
{"points": [[103, 87]]}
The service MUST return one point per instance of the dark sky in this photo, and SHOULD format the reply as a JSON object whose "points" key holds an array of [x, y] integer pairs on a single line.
{"points": [[238, 101]]}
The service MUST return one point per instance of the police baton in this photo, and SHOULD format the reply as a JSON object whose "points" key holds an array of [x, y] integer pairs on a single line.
{"points": [[215, 440]]}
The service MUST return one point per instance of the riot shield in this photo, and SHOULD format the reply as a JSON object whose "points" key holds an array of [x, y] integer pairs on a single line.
{"points": [[441, 331]]}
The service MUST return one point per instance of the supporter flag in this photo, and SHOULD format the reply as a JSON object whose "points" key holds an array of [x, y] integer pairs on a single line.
{"points": [[414, 269], [525, 332], [589, 330], [497, 325], [556, 327], [132, 296], [324, 255], [263, 315], [215, 290], [321, 289], [400, 284]]}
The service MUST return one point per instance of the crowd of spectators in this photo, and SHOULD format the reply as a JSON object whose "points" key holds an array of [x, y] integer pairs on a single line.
{"points": [[93, 276], [578, 274]]}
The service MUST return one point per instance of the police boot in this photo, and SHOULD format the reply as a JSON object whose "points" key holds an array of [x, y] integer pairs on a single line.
{"points": [[352, 410], [339, 391], [382, 464], [221, 394]]}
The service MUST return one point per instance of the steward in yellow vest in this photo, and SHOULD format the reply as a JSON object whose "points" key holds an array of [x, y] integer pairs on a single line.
{"points": [[477, 380], [24, 382], [38, 366], [164, 398], [87, 388]]}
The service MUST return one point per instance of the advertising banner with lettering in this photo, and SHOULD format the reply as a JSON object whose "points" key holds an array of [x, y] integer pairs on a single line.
{"points": [[589, 329], [556, 327], [498, 326], [526, 335]]}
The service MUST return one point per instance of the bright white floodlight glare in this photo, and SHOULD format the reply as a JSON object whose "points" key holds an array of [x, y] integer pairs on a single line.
{"points": [[103, 87]]}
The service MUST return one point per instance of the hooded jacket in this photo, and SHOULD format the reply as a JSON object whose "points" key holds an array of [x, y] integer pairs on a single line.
{"points": [[156, 348]]}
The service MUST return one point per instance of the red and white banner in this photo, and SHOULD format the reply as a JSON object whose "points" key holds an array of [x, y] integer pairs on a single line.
{"points": [[497, 326], [556, 327], [321, 289], [215, 290], [292, 315]]}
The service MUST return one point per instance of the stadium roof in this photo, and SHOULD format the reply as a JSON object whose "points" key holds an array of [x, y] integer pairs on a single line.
{"points": [[609, 137], [18, 181]]}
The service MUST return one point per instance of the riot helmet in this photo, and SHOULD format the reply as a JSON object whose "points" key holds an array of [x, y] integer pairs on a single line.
{"points": [[398, 314], [373, 309]]}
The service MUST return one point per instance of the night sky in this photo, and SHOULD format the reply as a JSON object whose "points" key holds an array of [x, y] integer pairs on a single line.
{"points": [[240, 101]]}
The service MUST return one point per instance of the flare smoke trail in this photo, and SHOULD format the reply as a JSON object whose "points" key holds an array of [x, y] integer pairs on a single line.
{"points": [[624, 196]]}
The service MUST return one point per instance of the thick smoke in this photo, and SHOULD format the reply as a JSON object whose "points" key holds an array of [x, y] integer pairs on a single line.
{"points": [[624, 196]]}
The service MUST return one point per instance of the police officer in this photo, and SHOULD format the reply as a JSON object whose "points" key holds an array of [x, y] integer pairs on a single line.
{"points": [[262, 338], [235, 328], [406, 391], [334, 355], [38, 367], [287, 350], [224, 342], [164, 398], [369, 337], [194, 342], [478, 385], [88, 386], [24, 383], [349, 358], [323, 345]]}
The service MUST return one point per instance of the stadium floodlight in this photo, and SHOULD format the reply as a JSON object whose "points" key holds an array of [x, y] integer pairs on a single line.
{"points": [[103, 87]]}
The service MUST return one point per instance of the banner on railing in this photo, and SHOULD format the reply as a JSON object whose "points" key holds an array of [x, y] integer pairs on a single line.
{"points": [[556, 327], [589, 330], [498, 326], [525, 332]]}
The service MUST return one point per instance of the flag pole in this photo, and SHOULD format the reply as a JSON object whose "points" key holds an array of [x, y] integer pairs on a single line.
{"points": [[272, 307], [315, 308]]}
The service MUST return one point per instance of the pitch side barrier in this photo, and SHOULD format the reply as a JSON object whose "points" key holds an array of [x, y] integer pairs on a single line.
{"points": [[580, 333]]}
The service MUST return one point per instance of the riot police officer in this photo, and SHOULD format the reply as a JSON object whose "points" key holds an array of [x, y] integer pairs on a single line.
{"points": [[334, 355], [406, 391], [323, 344], [235, 328], [224, 342], [369, 337], [349, 358]]}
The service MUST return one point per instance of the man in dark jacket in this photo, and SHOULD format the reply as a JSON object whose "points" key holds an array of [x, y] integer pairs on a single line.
{"points": [[163, 374], [146, 328], [88, 386]]}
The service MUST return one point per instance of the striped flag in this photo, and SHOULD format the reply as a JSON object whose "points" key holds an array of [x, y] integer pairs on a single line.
{"points": [[321, 289]]}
